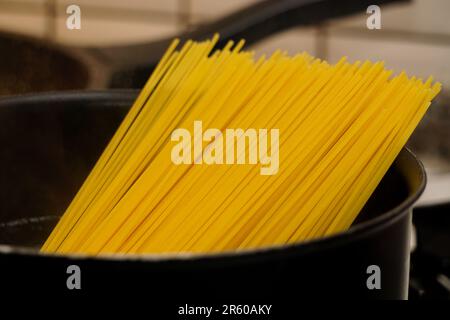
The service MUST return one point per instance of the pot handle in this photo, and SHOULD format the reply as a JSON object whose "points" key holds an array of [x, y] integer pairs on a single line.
{"points": [[252, 23]]}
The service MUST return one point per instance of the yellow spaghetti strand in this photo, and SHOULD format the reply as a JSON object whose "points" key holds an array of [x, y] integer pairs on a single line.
{"points": [[275, 150]]}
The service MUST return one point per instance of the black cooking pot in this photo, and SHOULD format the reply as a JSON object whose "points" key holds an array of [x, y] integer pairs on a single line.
{"points": [[49, 142]]}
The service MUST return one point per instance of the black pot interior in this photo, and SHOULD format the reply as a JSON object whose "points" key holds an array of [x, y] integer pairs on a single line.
{"points": [[50, 142]]}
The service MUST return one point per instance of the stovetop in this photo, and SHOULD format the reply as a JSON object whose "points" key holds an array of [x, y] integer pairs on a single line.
{"points": [[430, 261]]}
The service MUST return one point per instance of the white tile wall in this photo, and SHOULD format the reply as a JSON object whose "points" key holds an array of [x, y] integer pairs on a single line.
{"points": [[421, 60], [430, 16], [157, 5], [103, 32], [23, 23], [293, 41], [207, 10]]}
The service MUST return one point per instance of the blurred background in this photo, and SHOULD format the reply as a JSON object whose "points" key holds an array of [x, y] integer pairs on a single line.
{"points": [[119, 41], [419, 28]]}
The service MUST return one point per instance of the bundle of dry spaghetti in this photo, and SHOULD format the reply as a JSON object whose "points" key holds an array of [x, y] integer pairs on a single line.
{"points": [[336, 131]]}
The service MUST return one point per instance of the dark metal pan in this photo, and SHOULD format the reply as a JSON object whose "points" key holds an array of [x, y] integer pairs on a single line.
{"points": [[50, 141], [29, 65]]}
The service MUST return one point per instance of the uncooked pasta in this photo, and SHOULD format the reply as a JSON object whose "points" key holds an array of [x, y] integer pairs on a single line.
{"points": [[224, 151]]}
